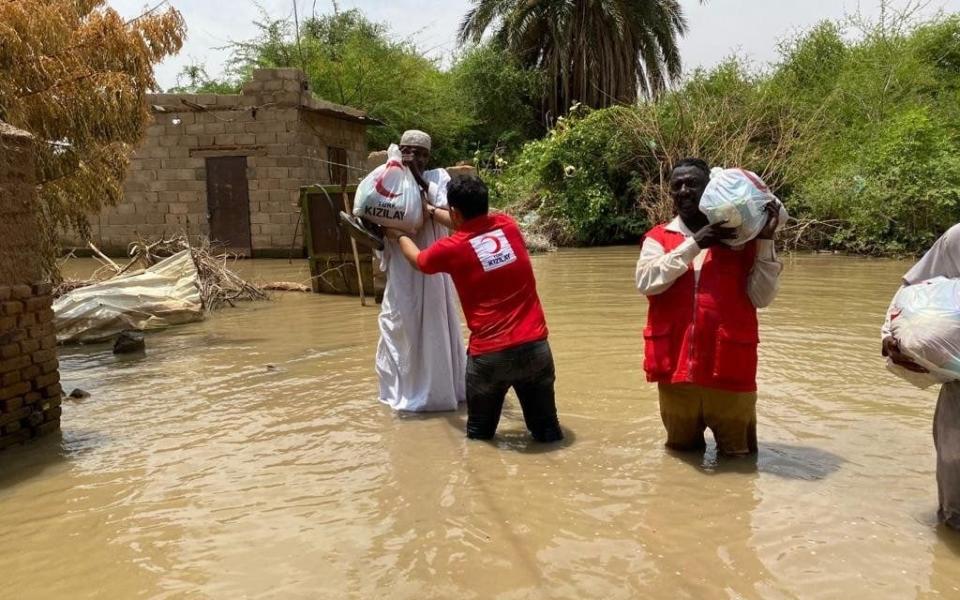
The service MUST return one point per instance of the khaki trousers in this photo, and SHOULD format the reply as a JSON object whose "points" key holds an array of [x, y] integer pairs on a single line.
{"points": [[688, 410]]}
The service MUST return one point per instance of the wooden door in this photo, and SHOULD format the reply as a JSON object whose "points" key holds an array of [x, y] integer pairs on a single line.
{"points": [[338, 165], [228, 203]]}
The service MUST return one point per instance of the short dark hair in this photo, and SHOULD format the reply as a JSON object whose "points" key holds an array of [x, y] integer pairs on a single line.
{"points": [[697, 163], [468, 194]]}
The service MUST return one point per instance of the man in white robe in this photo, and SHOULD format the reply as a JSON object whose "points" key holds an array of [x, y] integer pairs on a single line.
{"points": [[943, 260], [421, 359]]}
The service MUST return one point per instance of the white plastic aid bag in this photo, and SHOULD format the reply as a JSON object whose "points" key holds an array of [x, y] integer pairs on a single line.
{"points": [[925, 321], [390, 196], [737, 197]]}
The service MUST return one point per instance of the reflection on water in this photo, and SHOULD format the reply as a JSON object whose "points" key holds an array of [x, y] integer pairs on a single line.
{"points": [[199, 471]]}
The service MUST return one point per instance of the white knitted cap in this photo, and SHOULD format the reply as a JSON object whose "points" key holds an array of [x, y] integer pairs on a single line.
{"points": [[414, 137]]}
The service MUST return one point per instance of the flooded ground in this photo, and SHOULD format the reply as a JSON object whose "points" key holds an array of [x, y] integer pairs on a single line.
{"points": [[247, 457]]}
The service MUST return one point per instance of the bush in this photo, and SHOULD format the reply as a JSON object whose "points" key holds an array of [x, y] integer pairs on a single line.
{"points": [[883, 167], [893, 195], [577, 180], [599, 177]]}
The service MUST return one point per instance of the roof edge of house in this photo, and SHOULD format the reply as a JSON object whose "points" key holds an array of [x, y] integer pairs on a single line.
{"points": [[305, 100]]}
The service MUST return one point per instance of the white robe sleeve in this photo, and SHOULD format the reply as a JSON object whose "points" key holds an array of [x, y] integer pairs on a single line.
{"points": [[657, 269], [437, 181], [942, 260], [764, 282]]}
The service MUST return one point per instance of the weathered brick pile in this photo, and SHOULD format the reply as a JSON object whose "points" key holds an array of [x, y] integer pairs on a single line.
{"points": [[30, 392]]}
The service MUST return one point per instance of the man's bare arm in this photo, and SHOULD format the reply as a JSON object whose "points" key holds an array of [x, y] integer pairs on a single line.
{"points": [[439, 215], [408, 247]]}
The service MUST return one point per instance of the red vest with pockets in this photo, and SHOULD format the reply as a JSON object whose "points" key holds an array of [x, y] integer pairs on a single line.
{"points": [[705, 334]]}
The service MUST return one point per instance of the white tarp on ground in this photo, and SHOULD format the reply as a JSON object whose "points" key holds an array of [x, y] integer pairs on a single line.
{"points": [[165, 294]]}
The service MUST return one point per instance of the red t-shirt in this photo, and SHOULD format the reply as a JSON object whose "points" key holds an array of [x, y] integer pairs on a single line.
{"points": [[490, 267]]}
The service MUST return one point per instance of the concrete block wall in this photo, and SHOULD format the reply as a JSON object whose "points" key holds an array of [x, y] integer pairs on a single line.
{"points": [[320, 133], [275, 181], [30, 393], [284, 142], [165, 188]]}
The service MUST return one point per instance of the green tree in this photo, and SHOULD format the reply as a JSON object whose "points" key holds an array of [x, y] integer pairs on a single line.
{"points": [[193, 79], [350, 60], [596, 52], [501, 96]]}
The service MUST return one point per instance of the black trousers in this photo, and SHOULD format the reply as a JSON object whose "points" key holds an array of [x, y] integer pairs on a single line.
{"points": [[529, 370]]}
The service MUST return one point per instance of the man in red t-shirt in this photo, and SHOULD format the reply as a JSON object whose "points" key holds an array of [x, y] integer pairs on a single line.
{"points": [[490, 267]]}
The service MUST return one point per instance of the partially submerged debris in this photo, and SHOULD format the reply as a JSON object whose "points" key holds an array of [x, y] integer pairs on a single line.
{"points": [[285, 286], [166, 282], [168, 293], [538, 243], [219, 285], [129, 342], [79, 394]]}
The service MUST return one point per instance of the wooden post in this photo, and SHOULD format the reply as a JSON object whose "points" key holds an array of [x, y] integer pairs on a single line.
{"points": [[353, 244]]}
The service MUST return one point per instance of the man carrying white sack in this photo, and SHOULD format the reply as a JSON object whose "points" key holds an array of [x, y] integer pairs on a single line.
{"points": [[943, 260], [700, 343], [421, 359]]}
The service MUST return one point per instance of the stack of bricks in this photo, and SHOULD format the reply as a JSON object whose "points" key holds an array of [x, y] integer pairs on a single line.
{"points": [[30, 392]]}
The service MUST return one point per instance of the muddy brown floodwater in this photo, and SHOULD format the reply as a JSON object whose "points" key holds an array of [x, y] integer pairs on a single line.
{"points": [[247, 457]]}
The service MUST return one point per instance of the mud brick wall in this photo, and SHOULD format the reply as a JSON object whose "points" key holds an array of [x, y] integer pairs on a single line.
{"points": [[19, 259], [275, 122], [30, 393]]}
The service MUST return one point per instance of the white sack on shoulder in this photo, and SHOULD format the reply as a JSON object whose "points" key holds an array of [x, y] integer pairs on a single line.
{"points": [[390, 196], [737, 197], [925, 321]]}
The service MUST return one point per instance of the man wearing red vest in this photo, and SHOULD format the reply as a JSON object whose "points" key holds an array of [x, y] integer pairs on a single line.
{"points": [[700, 343]]}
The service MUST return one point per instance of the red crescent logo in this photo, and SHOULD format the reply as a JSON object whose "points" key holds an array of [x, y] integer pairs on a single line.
{"points": [[496, 243], [384, 191], [379, 183], [755, 180]]}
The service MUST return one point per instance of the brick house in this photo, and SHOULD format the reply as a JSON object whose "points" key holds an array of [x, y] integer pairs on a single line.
{"points": [[230, 166]]}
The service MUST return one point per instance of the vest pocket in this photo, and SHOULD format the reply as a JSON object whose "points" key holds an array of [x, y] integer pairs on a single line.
{"points": [[658, 351], [735, 358]]}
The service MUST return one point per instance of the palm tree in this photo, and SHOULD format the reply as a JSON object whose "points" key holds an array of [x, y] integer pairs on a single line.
{"points": [[596, 52]]}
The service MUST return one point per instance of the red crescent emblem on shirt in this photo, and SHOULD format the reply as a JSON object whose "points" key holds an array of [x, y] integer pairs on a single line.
{"points": [[496, 243]]}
